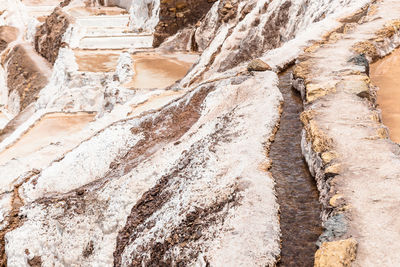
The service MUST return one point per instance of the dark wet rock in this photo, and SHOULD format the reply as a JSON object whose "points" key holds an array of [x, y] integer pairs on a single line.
{"points": [[361, 60], [35, 261], [335, 227], [258, 65]]}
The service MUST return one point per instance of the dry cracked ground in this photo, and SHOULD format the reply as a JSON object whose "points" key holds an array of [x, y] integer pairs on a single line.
{"points": [[199, 133]]}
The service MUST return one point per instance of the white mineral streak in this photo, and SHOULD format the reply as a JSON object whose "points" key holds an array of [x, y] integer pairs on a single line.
{"points": [[90, 160], [31, 27], [124, 70], [306, 33], [108, 213], [63, 69], [3, 88], [144, 15], [296, 33], [5, 207], [16, 14]]}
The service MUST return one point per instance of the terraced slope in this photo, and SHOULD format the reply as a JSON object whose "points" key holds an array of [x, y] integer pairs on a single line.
{"points": [[129, 155]]}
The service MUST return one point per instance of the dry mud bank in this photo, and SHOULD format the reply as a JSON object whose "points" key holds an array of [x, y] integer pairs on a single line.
{"points": [[345, 143], [174, 175]]}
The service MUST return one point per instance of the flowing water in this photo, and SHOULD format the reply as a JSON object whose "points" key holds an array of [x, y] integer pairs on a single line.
{"points": [[296, 189], [385, 74]]}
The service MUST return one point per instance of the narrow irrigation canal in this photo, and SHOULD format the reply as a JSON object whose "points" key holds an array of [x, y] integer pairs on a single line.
{"points": [[295, 187]]}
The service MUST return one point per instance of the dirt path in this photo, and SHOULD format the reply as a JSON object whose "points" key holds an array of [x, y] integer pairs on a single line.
{"points": [[357, 167]]}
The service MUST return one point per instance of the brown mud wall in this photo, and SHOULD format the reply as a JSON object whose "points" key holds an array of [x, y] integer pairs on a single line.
{"points": [[48, 38], [177, 14], [24, 76]]}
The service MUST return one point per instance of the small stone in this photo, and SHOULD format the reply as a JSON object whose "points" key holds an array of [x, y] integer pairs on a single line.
{"points": [[181, 5], [361, 60], [228, 5], [318, 90], [332, 170], [336, 254], [383, 133], [328, 156], [357, 85], [258, 65], [337, 200]]}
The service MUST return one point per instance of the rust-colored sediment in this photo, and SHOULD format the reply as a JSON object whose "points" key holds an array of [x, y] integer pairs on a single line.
{"points": [[156, 71], [96, 61], [96, 11], [385, 74]]}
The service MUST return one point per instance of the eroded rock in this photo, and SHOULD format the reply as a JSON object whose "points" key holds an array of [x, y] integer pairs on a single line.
{"points": [[336, 253], [258, 65], [178, 14], [49, 36]]}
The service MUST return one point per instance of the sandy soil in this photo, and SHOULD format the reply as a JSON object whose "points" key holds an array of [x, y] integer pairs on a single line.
{"points": [[385, 74], [47, 131]]}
